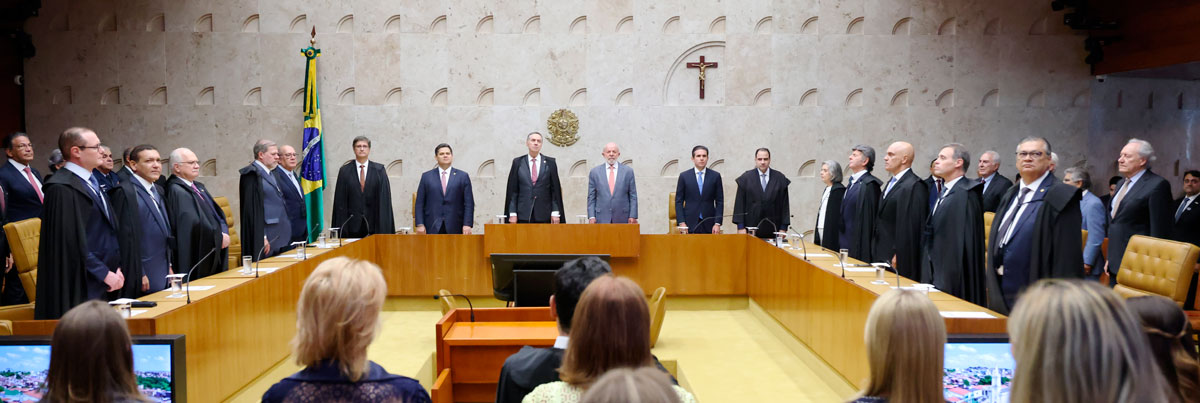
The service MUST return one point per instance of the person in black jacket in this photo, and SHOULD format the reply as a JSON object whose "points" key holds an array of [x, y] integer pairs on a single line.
{"points": [[762, 198], [1187, 221], [534, 194], [362, 200], [829, 214], [902, 211], [860, 204], [1141, 206], [994, 184]]}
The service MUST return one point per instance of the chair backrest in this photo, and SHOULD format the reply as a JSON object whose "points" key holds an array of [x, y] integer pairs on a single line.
{"points": [[671, 224], [414, 210], [1156, 266], [1083, 245], [1104, 249], [988, 216], [235, 242], [449, 302], [6, 328], [658, 310], [23, 237]]}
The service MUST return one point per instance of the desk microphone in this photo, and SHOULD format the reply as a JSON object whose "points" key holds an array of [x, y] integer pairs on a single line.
{"points": [[803, 246], [187, 277], [709, 218], [339, 229], [759, 225], [259, 257], [463, 297]]}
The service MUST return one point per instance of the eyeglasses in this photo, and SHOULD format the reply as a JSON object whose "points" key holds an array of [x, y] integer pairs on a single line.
{"points": [[1033, 154], [189, 162], [289, 155], [23, 146], [97, 147]]}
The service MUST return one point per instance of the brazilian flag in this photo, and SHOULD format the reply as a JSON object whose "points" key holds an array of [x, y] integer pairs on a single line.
{"points": [[312, 160]]}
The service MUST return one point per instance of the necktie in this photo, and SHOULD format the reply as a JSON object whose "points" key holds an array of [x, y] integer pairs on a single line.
{"points": [[33, 182], [1182, 206], [158, 212], [1116, 203], [700, 181], [444, 183], [197, 190], [534, 171], [985, 181], [1011, 218], [362, 178], [940, 186], [612, 179], [3, 207], [98, 196], [763, 179], [849, 188], [889, 186]]}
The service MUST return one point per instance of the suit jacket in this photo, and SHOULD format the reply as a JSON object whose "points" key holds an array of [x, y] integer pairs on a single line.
{"points": [[144, 237], [360, 211], [616, 207], [1187, 227], [22, 202], [769, 209], [693, 205], [107, 181], [293, 198], [858, 216], [448, 212], [833, 219], [1144, 210], [952, 256], [995, 191], [78, 247], [1095, 221], [533, 202], [197, 224], [899, 223], [125, 174], [264, 214]]}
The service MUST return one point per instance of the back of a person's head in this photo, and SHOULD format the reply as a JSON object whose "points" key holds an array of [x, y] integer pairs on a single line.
{"points": [[1170, 335], [906, 339], [569, 283], [1075, 341], [632, 385], [611, 330], [90, 357], [337, 316]]}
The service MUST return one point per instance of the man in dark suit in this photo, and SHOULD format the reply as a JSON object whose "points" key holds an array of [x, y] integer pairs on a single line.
{"points": [[860, 204], [762, 198], [1112, 190], [612, 190], [952, 255], [266, 228], [931, 183], [994, 185], [200, 234], [78, 257], [1036, 234], [1141, 206], [126, 173], [445, 201], [699, 196], [145, 232], [104, 173], [293, 194], [902, 211], [362, 201], [534, 194], [1187, 222], [531, 366], [22, 182]]}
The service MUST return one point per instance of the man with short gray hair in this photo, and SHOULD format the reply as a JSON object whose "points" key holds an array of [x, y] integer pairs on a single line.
{"points": [[952, 255], [201, 234], [1141, 206], [994, 185], [266, 229], [612, 190], [1095, 221]]}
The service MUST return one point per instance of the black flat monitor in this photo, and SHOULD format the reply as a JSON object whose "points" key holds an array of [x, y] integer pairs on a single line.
{"points": [[504, 264], [978, 368], [158, 362]]}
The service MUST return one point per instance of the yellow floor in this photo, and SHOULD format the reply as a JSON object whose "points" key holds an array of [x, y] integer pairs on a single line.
{"points": [[721, 356]]}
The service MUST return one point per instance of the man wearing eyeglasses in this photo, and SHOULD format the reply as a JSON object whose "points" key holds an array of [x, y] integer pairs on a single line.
{"points": [[293, 194], [201, 234], [22, 182], [1036, 231], [79, 255]]}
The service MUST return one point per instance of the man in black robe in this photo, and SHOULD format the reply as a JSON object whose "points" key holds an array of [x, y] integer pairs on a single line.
{"points": [[931, 183], [953, 248], [201, 235], [78, 255], [145, 236], [902, 211], [994, 184], [266, 227], [1036, 233], [362, 201], [762, 198], [860, 204]]}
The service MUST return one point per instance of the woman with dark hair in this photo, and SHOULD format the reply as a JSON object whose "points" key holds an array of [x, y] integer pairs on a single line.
{"points": [[91, 358], [1171, 343]]}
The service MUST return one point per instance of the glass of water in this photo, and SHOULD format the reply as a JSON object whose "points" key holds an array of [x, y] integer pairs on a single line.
{"points": [[879, 273], [843, 254], [683, 229], [247, 262]]}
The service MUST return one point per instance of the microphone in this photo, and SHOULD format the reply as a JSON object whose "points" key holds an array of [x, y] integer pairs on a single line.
{"points": [[187, 277], [258, 257], [759, 225], [463, 297], [803, 246], [339, 228], [709, 218]]}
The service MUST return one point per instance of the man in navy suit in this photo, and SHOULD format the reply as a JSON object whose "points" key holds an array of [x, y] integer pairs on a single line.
{"points": [[612, 190], [104, 173], [534, 194], [445, 202], [1095, 221], [145, 234], [293, 194], [78, 258], [21, 181], [266, 228], [1187, 221], [1141, 206], [699, 196]]}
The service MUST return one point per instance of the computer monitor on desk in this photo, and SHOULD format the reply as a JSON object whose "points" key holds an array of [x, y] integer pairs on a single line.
{"points": [[158, 362], [526, 278]]}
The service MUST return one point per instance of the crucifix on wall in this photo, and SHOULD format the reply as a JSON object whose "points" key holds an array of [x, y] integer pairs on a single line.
{"points": [[702, 66]]}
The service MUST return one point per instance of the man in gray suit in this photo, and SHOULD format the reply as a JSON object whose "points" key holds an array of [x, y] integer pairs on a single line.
{"points": [[266, 229], [1094, 220], [612, 191]]}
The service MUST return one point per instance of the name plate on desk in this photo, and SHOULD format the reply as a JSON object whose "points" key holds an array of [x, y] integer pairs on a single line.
{"points": [[616, 240]]}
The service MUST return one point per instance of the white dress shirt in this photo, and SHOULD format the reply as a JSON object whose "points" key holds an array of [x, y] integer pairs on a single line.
{"points": [[821, 210]]}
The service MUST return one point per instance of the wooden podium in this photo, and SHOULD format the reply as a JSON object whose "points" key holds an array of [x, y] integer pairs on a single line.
{"points": [[470, 354]]}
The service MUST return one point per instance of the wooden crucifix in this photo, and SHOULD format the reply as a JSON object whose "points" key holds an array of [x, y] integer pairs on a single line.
{"points": [[702, 65]]}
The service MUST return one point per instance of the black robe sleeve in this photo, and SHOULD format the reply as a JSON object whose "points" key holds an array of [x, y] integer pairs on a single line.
{"points": [[61, 282], [739, 201], [556, 194], [833, 218], [124, 200], [196, 234], [341, 195], [868, 204], [385, 222], [252, 212], [973, 248], [913, 209], [510, 193]]}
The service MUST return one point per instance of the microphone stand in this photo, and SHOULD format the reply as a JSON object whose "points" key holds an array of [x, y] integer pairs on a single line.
{"points": [[472, 307], [716, 216], [259, 257], [339, 229], [803, 246], [187, 277]]}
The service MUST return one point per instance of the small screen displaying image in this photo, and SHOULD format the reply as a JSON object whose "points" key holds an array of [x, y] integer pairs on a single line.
{"points": [[978, 372], [23, 371], [152, 365]]}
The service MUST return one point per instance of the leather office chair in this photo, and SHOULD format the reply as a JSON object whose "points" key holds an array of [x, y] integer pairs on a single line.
{"points": [[988, 216], [235, 242], [671, 224], [1083, 245], [449, 302], [658, 310], [23, 237], [1156, 266]]}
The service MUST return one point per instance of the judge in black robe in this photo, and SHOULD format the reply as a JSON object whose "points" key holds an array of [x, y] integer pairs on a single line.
{"points": [[1045, 241], [860, 205], [198, 242], [766, 209], [902, 212], [266, 227], [826, 233], [952, 256], [363, 208]]}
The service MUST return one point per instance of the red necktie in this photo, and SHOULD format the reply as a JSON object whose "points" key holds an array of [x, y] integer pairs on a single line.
{"points": [[362, 179], [535, 171], [33, 182], [612, 179]]}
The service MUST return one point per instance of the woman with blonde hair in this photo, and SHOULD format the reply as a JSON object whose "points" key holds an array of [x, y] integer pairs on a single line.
{"points": [[1076, 342], [91, 358], [611, 329], [1170, 342], [337, 317], [906, 343]]}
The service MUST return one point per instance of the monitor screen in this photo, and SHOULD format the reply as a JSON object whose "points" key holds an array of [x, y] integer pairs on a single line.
{"points": [[978, 369], [157, 361], [503, 265]]}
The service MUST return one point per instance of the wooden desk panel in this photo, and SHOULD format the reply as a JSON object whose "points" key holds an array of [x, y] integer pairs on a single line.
{"points": [[420, 265], [616, 240], [688, 264], [475, 351]]}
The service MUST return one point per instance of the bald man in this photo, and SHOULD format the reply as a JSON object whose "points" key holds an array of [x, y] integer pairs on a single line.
{"points": [[902, 211], [612, 190]]}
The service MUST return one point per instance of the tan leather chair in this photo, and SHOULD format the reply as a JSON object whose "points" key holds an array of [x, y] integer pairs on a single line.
{"points": [[1083, 245], [988, 216], [23, 237], [658, 310], [1156, 266], [449, 302], [414, 211], [671, 224], [235, 242]]}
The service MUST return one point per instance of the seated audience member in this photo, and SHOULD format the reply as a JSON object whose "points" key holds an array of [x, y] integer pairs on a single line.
{"points": [[91, 358], [337, 317], [611, 329], [1075, 341], [1171, 343], [906, 342], [625, 385], [532, 366]]}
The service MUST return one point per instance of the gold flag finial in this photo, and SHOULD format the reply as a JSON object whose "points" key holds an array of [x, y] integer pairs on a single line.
{"points": [[313, 41]]}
